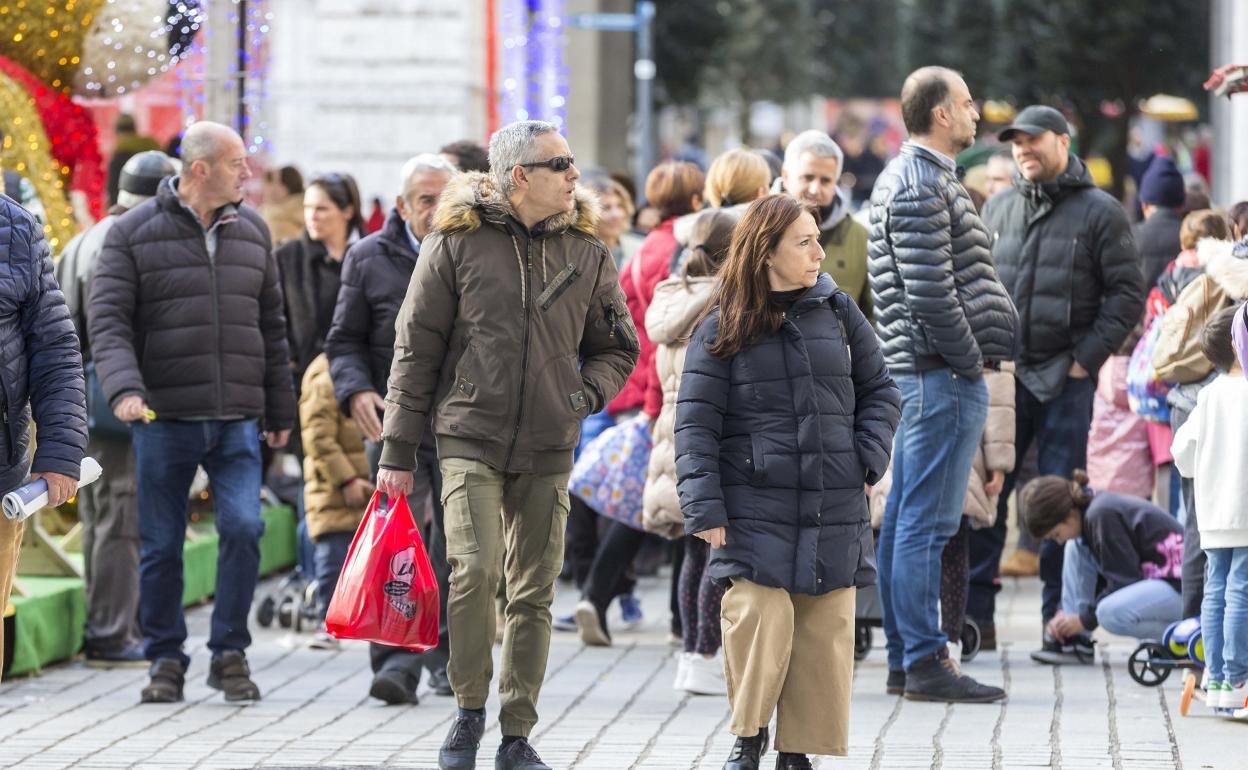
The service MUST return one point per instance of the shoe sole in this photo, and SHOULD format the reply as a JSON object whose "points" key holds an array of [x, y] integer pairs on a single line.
{"points": [[107, 664], [144, 698], [925, 698], [1063, 660], [895, 690], [587, 626]]}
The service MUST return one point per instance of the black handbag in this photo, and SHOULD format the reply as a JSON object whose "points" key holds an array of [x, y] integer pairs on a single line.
{"points": [[101, 421]]}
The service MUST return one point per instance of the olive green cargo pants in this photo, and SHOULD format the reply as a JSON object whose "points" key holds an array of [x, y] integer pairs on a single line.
{"points": [[501, 522]]}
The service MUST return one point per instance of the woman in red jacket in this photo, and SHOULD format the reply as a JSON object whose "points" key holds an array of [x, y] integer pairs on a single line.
{"points": [[675, 189]]}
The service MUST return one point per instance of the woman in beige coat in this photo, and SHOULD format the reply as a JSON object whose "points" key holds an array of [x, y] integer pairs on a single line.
{"points": [[677, 305], [993, 460]]}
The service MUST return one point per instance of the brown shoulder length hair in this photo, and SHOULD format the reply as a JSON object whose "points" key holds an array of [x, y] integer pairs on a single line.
{"points": [[745, 311]]}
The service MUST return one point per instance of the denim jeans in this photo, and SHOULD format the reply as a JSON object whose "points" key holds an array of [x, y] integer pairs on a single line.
{"points": [[1060, 429], [1224, 614], [329, 554], [1141, 610], [942, 421], [167, 453]]}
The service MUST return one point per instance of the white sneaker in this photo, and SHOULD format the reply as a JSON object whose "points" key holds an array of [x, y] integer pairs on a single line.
{"points": [[682, 670], [1233, 697], [705, 676], [321, 640], [1213, 695]]}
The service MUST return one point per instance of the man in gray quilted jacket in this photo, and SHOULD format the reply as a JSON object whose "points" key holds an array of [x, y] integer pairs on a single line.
{"points": [[942, 316]]}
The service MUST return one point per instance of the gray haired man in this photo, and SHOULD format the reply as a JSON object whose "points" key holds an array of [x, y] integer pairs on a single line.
{"points": [[513, 330], [360, 346], [812, 168]]}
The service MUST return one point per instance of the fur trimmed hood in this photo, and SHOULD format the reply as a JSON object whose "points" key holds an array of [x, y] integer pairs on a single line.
{"points": [[472, 197], [1225, 266]]}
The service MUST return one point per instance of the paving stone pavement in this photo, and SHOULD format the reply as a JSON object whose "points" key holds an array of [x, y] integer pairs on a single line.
{"points": [[605, 709]]}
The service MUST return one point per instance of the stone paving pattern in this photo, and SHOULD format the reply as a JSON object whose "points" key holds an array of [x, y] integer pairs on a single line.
{"points": [[606, 709]]}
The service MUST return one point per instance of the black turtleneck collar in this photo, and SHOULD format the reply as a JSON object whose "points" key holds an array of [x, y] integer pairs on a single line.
{"points": [[783, 300]]}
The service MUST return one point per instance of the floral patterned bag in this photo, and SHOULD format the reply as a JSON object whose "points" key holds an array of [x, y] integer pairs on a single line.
{"points": [[610, 474]]}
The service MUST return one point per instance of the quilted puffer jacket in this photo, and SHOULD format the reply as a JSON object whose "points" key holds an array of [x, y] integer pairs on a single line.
{"points": [[670, 320], [41, 365], [776, 442], [938, 300]]}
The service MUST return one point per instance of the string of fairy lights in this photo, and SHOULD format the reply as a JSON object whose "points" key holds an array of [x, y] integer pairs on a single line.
{"points": [[533, 73]]}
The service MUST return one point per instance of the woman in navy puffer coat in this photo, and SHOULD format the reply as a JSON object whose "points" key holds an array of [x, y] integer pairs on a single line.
{"points": [[786, 410]]}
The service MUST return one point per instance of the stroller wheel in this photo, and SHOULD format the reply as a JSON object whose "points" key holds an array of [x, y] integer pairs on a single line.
{"points": [[1150, 664], [862, 641], [265, 611], [970, 640], [286, 612]]}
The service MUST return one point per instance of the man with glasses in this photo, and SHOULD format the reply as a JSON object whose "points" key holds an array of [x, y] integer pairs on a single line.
{"points": [[513, 330]]}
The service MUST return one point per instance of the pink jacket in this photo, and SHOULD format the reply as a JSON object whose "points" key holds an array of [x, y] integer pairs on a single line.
{"points": [[1119, 457]]}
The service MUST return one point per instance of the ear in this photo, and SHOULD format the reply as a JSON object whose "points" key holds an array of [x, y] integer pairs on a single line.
{"points": [[1064, 141], [401, 204], [519, 178]]}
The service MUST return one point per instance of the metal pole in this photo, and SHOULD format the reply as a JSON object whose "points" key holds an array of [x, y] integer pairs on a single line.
{"points": [[643, 71]]}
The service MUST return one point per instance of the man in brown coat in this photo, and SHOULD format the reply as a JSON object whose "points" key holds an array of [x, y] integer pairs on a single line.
{"points": [[513, 330]]}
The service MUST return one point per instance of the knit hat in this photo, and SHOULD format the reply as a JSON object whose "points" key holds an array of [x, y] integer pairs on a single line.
{"points": [[141, 176], [1162, 184]]}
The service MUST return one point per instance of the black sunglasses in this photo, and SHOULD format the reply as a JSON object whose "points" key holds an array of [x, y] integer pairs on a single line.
{"points": [[558, 164]]}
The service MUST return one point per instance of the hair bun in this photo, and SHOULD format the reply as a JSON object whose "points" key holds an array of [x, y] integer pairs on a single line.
{"points": [[1080, 477]]}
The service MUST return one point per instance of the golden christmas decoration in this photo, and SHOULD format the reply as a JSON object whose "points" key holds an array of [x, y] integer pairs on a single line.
{"points": [[46, 36], [26, 150]]}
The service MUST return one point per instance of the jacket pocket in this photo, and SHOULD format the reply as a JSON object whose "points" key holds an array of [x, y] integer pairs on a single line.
{"points": [[9, 449], [558, 403], [757, 463], [615, 310], [555, 289]]}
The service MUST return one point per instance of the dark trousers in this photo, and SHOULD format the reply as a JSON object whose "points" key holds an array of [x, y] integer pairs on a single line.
{"points": [[1060, 430], [109, 510], [167, 453], [608, 574], [586, 533]]}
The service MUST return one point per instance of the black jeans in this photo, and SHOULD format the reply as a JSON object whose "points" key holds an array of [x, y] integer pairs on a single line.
{"points": [[609, 572], [1060, 429]]}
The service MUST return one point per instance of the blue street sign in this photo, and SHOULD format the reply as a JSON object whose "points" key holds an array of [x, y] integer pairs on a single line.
{"points": [[607, 22]]}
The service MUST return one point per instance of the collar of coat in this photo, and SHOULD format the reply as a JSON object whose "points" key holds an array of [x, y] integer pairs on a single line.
{"points": [[472, 198], [821, 292], [1225, 265]]}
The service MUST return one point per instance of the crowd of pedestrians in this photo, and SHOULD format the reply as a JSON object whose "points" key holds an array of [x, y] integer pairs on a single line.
{"points": [[778, 397]]}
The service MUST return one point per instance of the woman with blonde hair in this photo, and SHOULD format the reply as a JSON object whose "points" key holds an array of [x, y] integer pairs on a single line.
{"points": [[785, 411], [616, 219], [737, 177]]}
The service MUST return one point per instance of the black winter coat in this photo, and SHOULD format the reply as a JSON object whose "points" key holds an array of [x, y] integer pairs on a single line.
{"points": [[1065, 251], [938, 301], [776, 443], [41, 363], [310, 281], [375, 275], [1157, 238], [196, 336]]}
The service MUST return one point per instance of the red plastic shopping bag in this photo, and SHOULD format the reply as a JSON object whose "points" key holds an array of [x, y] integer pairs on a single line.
{"points": [[387, 592]]}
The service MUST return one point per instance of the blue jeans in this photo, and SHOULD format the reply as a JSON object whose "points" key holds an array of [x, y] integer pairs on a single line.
{"points": [[1060, 429], [1142, 610], [1224, 614], [942, 422], [167, 453], [329, 554]]}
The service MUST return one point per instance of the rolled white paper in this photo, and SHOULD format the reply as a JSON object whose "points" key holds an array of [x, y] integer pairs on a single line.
{"points": [[24, 501]]}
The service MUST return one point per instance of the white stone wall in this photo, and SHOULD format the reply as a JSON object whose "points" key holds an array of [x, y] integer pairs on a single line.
{"points": [[1230, 117], [359, 86]]}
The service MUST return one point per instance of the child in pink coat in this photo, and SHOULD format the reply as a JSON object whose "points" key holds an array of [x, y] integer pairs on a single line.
{"points": [[1119, 456]]}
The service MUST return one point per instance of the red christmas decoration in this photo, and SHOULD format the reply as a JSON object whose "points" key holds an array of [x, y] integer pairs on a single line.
{"points": [[75, 145]]}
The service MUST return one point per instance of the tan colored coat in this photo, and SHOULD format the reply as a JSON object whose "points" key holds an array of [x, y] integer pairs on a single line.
{"points": [[334, 454], [670, 320], [995, 453], [1177, 356]]}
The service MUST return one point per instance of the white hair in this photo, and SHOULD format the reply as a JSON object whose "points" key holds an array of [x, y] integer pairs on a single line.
{"points": [[816, 143], [513, 145], [425, 163]]}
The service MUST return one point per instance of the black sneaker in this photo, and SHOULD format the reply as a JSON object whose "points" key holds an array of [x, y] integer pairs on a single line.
{"points": [[937, 678], [747, 752], [167, 677], [787, 761], [1078, 650], [896, 683], [518, 754], [440, 682], [395, 687], [459, 750], [230, 673], [130, 656]]}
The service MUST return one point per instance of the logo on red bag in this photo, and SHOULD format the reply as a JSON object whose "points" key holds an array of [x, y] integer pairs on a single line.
{"points": [[402, 571]]}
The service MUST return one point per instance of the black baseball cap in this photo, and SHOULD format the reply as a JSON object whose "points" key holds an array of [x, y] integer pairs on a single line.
{"points": [[1036, 119]]}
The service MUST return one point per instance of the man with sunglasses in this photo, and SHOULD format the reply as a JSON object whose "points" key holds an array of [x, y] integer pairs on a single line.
{"points": [[513, 330]]}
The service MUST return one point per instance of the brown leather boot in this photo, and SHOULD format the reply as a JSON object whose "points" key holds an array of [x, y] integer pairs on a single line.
{"points": [[1021, 564]]}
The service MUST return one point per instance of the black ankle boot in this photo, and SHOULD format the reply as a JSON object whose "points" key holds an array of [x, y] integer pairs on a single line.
{"points": [[747, 752], [788, 761], [936, 678]]}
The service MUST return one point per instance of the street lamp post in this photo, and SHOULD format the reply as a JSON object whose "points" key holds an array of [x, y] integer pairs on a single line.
{"points": [[641, 23]]}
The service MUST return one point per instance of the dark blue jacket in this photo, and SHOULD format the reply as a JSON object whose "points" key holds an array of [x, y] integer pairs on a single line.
{"points": [[41, 364], [776, 443]]}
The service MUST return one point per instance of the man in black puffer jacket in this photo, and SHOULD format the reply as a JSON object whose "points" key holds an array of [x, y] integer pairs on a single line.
{"points": [[41, 369], [1065, 251], [360, 346], [942, 316], [185, 317]]}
